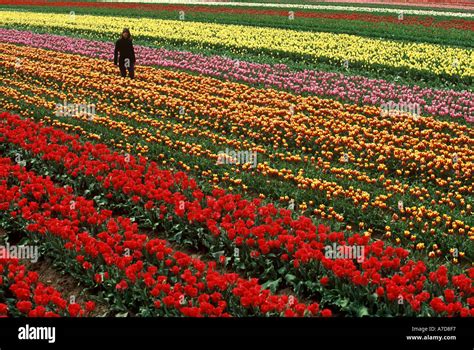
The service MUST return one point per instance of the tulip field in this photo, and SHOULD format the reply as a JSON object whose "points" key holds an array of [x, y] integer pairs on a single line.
{"points": [[289, 160]]}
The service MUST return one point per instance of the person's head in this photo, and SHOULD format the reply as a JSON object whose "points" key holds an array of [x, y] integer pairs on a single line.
{"points": [[126, 33]]}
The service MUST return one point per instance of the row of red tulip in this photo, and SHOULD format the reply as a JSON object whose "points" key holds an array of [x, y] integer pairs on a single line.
{"points": [[264, 236], [23, 294], [146, 275]]}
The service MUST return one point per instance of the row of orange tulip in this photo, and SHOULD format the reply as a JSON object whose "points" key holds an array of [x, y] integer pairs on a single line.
{"points": [[228, 119]]}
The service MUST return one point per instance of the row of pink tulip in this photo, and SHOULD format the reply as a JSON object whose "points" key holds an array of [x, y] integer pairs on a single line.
{"points": [[351, 89]]}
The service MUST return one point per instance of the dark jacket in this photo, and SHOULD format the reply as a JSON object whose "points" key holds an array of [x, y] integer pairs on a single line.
{"points": [[125, 47]]}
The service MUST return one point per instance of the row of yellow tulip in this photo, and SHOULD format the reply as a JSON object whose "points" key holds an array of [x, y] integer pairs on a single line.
{"points": [[335, 48]]}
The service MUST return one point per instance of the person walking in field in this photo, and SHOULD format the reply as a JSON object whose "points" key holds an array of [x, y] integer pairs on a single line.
{"points": [[124, 54]]}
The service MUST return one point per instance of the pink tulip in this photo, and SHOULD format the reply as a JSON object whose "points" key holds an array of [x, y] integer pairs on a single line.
{"points": [[348, 89]]}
